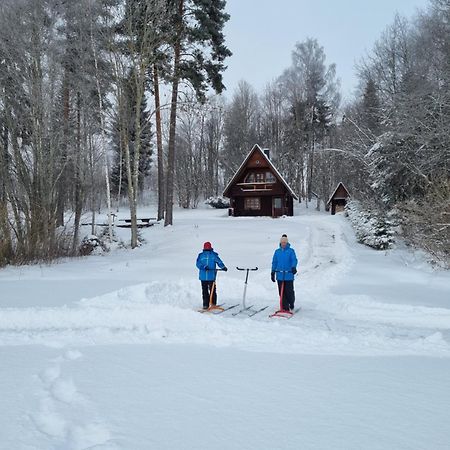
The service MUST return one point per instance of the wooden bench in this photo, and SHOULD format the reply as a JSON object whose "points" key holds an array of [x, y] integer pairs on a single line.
{"points": [[142, 222]]}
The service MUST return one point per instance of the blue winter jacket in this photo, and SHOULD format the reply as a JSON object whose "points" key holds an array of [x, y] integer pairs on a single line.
{"points": [[284, 259], [208, 259]]}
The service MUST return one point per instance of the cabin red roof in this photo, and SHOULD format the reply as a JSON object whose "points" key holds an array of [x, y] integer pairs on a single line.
{"points": [[257, 148]]}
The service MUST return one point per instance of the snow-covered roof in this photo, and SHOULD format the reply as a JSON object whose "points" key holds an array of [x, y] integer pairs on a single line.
{"points": [[275, 170], [337, 187]]}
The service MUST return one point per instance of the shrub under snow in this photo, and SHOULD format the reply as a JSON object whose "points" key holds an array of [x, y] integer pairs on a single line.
{"points": [[91, 245], [371, 228], [218, 202]]}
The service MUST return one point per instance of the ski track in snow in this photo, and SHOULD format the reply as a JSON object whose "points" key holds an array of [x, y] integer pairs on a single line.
{"points": [[64, 415], [164, 311]]}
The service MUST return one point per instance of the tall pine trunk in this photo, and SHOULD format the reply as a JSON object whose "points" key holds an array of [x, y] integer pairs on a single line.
{"points": [[159, 144], [173, 122], [133, 171]]}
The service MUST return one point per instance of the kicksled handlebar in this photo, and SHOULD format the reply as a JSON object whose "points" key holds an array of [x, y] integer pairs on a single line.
{"points": [[246, 276]]}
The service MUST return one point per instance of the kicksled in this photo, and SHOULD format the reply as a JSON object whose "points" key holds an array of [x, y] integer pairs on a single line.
{"points": [[249, 311], [245, 310], [283, 313], [216, 309]]}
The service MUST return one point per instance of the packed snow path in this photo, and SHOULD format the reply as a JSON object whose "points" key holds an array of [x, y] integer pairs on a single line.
{"points": [[355, 303], [164, 308]]}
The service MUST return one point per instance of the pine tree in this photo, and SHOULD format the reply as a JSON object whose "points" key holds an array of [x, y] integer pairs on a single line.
{"points": [[199, 52], [371, 107]]}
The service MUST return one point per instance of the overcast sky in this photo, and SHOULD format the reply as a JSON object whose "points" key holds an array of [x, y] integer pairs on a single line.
{"points": [[262, 34]]}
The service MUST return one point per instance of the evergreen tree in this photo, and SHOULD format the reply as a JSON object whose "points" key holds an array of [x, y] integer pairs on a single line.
{"points": [[371, 107], [199, 52]]}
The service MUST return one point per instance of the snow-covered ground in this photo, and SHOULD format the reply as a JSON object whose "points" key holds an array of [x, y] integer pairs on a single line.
{"points": [[108, 352]]}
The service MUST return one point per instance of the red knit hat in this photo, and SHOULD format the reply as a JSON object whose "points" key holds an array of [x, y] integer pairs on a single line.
{"points": [[207, 246]]}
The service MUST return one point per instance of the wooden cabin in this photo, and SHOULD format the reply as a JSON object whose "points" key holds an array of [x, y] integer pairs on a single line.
{"points": [[338, 199], [258, 189]]}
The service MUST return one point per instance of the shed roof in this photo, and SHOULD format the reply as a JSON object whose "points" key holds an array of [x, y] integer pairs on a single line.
{"points": [[334, 193]]}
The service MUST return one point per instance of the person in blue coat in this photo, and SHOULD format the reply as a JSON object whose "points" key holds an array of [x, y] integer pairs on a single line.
{"points": [[206, 264], [284, 267]]}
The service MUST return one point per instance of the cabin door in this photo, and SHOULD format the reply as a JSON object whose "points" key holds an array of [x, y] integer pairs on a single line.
{"points": [[340, 206], [277, 206]]}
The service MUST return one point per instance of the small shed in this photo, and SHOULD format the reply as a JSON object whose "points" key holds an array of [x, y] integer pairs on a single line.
{"points": [[338, 199], [258, 189]]}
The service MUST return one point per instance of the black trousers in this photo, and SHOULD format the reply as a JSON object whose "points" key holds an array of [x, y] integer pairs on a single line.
{"points": [[206, 293], [288, 293]]}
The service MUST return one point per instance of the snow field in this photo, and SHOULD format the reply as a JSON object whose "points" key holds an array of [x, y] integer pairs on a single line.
{"points": [[115, 355]]}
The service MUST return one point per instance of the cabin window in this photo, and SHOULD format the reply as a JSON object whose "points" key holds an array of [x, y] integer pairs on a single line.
{"points": [[277, 204], [250, 178], [270, 178], [260, 177], [252, 203]]}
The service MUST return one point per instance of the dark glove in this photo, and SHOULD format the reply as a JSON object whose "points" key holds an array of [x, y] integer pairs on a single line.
{"points": [[225, 269], [205, 268], [294, 270], [272, 276]]}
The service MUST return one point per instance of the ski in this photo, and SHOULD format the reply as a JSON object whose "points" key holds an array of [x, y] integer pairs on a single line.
{"points": [[217, 309], [227, 308], [296, 310], [242, 310], [285, 314], [249, 311], [212, 308], [257, 311]]}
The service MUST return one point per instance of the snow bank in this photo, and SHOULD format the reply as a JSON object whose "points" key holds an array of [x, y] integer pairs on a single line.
{"points": [[138, 315], [371, 229]]}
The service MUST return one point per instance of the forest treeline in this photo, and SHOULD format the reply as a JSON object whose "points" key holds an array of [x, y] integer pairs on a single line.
{"points": [[105, 99]]}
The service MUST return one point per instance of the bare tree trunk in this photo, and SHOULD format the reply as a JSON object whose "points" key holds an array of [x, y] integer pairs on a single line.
{"points": [[93, 190], [133, 172], [173, 122], [159, 144], [119, 188], [64, 150], [5, 235], [171, 153], [131, 193], [104, 135], [78, 184]]}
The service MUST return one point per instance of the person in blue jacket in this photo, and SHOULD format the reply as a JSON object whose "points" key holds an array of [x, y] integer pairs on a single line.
{"points": [[284, 267], [206, 263]]}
